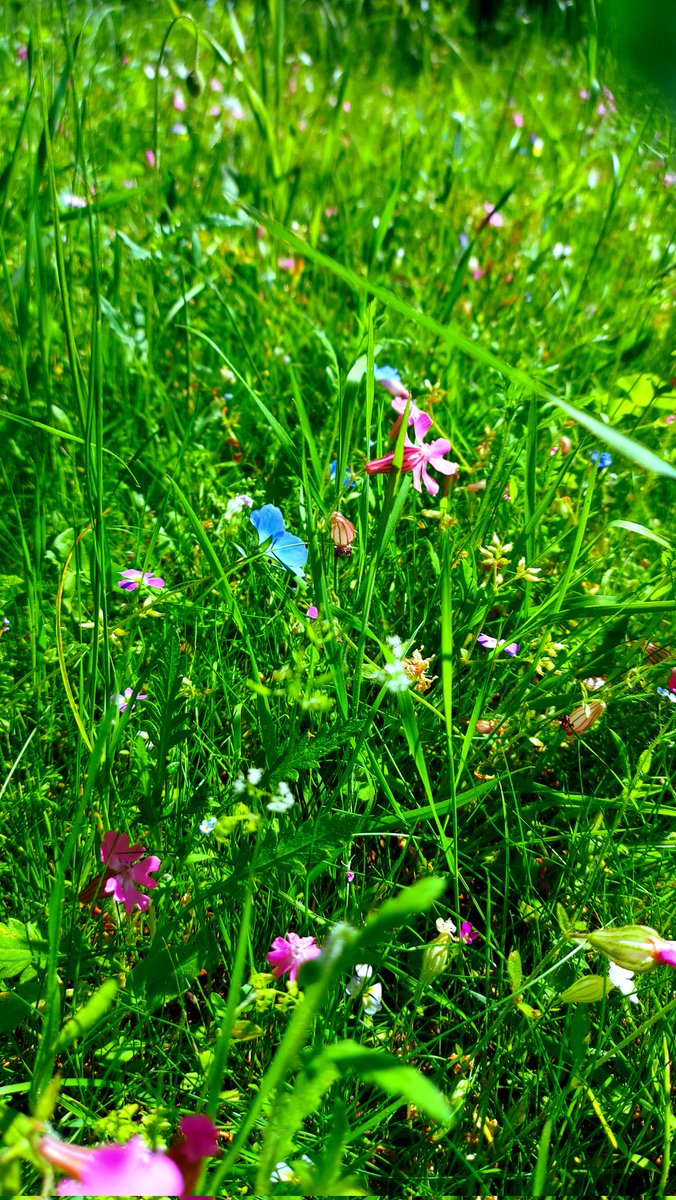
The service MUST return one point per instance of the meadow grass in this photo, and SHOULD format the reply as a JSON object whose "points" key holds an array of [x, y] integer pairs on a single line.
{"points": [[215, 225]]}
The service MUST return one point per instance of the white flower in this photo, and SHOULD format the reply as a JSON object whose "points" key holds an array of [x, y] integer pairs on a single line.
{"points": [[371, 997], [280, 804], [623, 979], [254, 776], [236, 505], [445, 926], [239, 786], [395, 678], [208, 825]]}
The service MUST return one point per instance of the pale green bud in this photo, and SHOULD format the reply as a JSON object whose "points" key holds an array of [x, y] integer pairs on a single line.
{"points": [[634, 947], [587, 990], [434, 959]]}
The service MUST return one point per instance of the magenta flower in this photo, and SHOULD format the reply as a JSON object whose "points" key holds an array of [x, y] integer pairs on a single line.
{"points": [[290, 953], [286, 262], [179, 101], [468, 933], [128, 1170], [313, 612], [150, 158], [421, 421], [417, 458], [125, 868], [517, 118], [671, 686], [132, 1169], [122, 700], [22, 53], [133, 578]]}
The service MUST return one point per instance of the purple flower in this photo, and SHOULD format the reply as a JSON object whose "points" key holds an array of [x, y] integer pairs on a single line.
{"points": [[122, 701], [490, 643], [468, 933], [349, 876], [133, 578]]}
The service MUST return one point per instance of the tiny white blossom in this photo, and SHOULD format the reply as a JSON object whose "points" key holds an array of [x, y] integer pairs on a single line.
{"points": [[623, 980], [254, 776], [395, 677], [445, 926], [239, 786]]}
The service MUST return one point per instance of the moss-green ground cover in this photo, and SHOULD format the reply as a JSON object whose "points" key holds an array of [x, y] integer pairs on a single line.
{"points": [[216, 230]]}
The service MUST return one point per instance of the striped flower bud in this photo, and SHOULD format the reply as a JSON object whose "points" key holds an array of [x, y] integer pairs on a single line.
{"points": [[635, 947], [434, 959], [587, 990]]}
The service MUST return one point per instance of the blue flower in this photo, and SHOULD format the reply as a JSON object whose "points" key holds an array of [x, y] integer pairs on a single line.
{"points": [[348, 481], [602, 459], [286, 549], [665, 692], [389, 378], [208, 825]]}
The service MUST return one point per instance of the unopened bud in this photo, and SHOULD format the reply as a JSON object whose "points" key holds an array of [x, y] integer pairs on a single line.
{"points": [[195, 83], [434, 959], [637, 948], [587, 990]]}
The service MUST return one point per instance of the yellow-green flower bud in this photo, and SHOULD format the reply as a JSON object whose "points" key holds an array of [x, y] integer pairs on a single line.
{"points": [[586, 990], [634, 947], [434, 959]]}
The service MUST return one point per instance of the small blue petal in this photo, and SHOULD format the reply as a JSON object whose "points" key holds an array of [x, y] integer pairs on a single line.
{"points": [[269, 522], [602, 459], [285, 549], [381, 373], [348, 481]]}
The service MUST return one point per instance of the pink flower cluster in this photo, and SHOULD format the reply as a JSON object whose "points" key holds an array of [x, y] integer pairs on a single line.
{"points": [[418, 455]]}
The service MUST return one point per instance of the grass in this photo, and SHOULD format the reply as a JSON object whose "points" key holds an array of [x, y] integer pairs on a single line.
{"points": [[196, 291]]}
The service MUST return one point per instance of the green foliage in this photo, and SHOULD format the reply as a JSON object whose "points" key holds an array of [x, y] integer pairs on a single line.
{"points": [[213, 227]]}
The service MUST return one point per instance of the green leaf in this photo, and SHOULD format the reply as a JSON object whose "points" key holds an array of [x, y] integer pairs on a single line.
{"points": [[21, 946], [89, 1015], [391, 1076], [167, 972]]}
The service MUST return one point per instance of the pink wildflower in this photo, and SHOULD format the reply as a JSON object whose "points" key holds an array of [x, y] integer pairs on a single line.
{"points": [[671, 686], [286, 263], [416, 459], [290, 953], [564, 445], [312, 612], [179, 101], [197, 1140], [122, 701], [123, 1170], [496, 219], [125, 868], [113, 1170], [468, 933], [150, 158], [22, 53], [421, 421], [517, 118], [133, 578]]}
